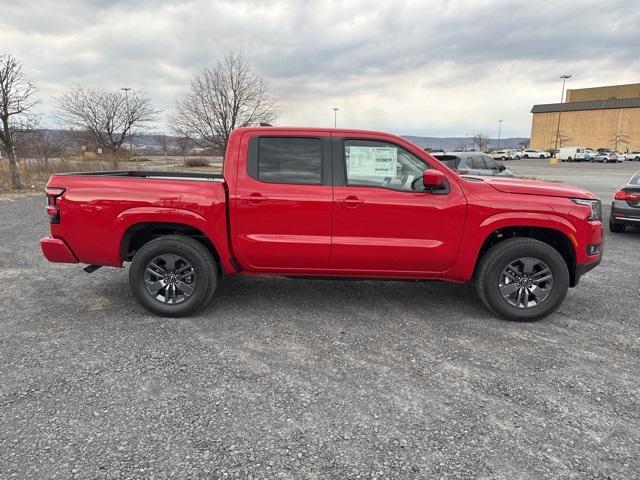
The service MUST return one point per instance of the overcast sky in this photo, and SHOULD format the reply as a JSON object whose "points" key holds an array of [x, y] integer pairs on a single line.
{"points": [[432, 68]]}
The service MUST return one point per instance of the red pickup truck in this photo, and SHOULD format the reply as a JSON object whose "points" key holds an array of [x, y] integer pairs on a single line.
{"points": [[327, 203]]}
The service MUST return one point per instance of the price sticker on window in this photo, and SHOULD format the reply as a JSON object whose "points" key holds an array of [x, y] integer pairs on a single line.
{"points": [[371, 161]]}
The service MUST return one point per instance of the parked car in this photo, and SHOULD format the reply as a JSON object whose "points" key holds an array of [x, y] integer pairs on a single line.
{"points": [[301, 202], [625, 208], [635, 155], [589, 155], [571, 154], [552, 152], [474, 163], [607, 156], [517, 154], [503, 155], [531, 153]]}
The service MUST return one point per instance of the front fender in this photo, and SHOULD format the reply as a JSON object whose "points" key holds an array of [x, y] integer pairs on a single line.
{"points": [[465, 266]]}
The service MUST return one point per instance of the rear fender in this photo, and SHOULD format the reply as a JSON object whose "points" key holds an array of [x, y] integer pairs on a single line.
{"points": [[215, 229]]}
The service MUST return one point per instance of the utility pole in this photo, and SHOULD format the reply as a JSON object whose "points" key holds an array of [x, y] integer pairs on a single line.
{"points": [[499, 132], [564, 79], [335, 117], [126, 99]]}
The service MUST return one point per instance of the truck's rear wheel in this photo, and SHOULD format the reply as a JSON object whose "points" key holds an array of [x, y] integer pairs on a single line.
{"points": [[522, 279], [173, 276]]}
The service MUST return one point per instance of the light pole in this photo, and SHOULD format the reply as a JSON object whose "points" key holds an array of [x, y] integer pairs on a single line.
{"points": [[335, 117], [126, 99], [564, 79], [466, 141], [499, 132]]}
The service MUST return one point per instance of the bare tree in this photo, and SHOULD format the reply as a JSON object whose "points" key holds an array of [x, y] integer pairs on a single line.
{"points": [[620, 138], [563, 138], [46, 144], [163, 142], [481, 140], [220, 99], [184, 146], [16, 102], [110, 117]]}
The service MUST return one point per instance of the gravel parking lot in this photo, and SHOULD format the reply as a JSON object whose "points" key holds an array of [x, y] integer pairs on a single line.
{"points": [[293, 379]]}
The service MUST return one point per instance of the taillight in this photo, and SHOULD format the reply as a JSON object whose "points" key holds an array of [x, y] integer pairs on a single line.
{"points": [[51, 204], [627, 196]]}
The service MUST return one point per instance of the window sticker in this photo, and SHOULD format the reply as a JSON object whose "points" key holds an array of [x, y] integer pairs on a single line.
{"points": [[371, 161]]}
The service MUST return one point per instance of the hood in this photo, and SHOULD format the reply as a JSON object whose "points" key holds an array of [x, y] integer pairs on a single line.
{"points": [[535, 187]]}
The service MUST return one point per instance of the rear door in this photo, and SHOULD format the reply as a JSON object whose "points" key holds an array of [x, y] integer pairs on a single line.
{"points": [[283, 202], [384, 220]]}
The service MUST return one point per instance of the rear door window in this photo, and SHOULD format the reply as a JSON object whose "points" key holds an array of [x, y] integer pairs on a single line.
{"points": [[290, 160], [476, 162]]}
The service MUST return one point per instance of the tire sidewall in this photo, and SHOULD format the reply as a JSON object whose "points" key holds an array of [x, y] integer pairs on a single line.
{"points": [[558, 268], [198, 261]]}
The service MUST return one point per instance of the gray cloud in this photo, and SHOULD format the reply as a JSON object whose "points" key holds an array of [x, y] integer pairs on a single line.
{"points": [[432, 68]]}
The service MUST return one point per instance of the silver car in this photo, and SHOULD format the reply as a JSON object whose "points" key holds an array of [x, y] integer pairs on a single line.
{"points": [[473, 163], [606, 156]]}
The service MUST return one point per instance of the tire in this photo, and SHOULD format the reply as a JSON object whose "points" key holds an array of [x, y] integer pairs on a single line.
{"points": [[542, 156], [526, 156], [184, 252], [616, 227], [503, 158], [569, 159], [637, 159], [494, 263]]}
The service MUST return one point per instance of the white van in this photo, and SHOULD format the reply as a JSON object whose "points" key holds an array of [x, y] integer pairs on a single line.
{"points": [[571, 154]]}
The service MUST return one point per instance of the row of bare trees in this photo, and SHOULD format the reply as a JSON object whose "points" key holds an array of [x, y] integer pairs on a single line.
{"points": [[219, 99]]}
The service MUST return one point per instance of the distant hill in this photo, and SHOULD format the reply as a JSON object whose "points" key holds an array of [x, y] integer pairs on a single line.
{"points": [[457, 143], [149, 143]]}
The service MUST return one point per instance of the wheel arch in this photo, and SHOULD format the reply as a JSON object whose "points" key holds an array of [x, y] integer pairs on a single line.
{"points": [[560, 240], [134, 227]]}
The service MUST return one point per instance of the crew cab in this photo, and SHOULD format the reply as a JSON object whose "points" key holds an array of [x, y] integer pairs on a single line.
{"points": [[303, 202]]}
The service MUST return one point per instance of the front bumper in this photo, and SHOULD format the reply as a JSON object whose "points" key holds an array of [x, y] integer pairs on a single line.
{"points": [[55, 250]]}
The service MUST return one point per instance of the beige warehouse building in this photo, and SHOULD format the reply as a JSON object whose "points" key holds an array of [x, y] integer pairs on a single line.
{"points": [[590, 117]]}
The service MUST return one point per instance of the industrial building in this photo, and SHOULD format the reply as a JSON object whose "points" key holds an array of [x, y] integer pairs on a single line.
{"points": [[600, 117]]}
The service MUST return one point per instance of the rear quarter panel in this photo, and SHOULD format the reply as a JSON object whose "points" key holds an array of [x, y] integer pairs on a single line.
{"points": [[96, 211]]}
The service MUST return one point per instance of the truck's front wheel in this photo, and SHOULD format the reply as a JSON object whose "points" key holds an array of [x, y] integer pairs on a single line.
{"points": [[522, 279], [173, 276]]}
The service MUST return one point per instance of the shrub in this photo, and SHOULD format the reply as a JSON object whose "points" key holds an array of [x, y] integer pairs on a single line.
{"points": [[196, 162]]}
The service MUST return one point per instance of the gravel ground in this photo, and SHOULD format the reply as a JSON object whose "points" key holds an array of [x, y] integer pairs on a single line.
{"points": [[293, 379]]}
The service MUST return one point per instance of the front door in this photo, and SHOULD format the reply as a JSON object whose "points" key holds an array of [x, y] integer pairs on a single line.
{"points": [[384, 220], [283, 204]]}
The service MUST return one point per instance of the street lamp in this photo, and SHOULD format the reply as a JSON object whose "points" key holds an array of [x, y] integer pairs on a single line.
{"points": [[466, 141], [499, 132], [335, 116], [126, 99], [564, 79]]}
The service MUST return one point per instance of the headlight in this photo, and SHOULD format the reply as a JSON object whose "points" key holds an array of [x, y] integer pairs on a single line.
{"points": [[594, 205]]}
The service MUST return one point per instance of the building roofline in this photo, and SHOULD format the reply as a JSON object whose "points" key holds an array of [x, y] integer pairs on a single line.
{"points": [[591, 105]]}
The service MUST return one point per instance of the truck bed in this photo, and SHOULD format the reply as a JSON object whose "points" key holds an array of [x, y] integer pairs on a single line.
{"points": [[212, 177]]}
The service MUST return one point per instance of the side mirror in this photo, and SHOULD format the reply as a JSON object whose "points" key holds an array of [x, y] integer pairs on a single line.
{"points": [[502, 168], [433, 179]]}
